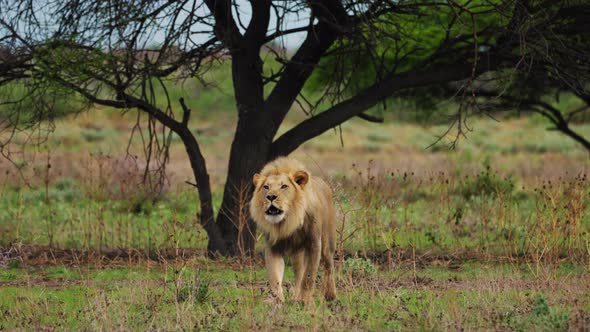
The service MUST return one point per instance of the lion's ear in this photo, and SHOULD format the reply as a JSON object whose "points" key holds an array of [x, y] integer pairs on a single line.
{"points": [[257, 179], [301, 178]]}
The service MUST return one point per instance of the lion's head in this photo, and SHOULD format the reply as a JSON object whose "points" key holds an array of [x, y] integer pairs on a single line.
{"points": [[279, 202]]}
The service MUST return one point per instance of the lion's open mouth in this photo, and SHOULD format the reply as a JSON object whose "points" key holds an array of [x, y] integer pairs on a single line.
{"points": [[273, 211]]}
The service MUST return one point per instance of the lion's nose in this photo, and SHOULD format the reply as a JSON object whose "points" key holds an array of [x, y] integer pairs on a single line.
{"points": [[271, 197]]}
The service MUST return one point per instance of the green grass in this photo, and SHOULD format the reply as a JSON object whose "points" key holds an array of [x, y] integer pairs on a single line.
{"points": [[472, 297], [484, 215], [493, 235], [72, 219]]}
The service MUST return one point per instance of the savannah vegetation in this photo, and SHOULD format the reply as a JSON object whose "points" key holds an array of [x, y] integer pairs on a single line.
{"points": [[492, 234], [355, 55]]}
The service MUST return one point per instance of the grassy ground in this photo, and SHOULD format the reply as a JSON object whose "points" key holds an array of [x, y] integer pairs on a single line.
{"points": [[200, 294], [493, 235]]}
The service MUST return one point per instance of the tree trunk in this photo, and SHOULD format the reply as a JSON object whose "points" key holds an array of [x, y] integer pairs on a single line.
{"points": [[248, 154], [216, 244], [249, 151]]}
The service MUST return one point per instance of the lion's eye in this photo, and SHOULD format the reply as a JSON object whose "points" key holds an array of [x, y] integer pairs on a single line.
{"points": [[284, 186], [265, 186]]}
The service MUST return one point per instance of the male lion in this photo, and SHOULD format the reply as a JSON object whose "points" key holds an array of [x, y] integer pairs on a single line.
{"points": [[295, 212]]}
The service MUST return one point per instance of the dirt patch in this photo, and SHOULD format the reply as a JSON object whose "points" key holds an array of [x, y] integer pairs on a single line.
{"points": [[56, 283], [574, 286], [497, 284], [35, 255]]}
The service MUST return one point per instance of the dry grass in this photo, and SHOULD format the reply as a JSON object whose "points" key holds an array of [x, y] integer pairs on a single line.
{"points": [[200, 294], [494, 235]]}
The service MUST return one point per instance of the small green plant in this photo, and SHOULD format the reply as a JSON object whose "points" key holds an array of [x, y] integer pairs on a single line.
{"points": [[66, 190], [541, 306], [94, 135], [359, 268], [549, 317], [195, 291], [8, 275], [14, 263], [379, 137]]}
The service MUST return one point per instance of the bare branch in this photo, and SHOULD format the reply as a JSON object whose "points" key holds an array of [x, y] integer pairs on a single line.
{"points": [[354, 106], [370, 118], [226, 29], [319, 38]]}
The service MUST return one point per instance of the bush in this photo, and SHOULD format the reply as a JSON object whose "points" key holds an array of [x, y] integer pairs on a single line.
{"points": [[95, 135], [485, 184]]}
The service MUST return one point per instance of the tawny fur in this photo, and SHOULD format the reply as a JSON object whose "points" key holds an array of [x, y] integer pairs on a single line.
{"points": [[295, 206], [307, 230]]}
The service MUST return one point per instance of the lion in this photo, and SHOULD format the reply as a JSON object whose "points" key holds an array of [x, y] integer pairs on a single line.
{"points": [[295, 212]]}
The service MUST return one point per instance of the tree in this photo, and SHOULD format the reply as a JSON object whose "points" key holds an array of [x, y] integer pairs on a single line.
{"points": [[124, 54], [560, 120]]}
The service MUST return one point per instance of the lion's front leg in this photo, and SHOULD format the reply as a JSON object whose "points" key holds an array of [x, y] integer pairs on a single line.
{"points": [[298, 261], [313, 254], [275, 266]]}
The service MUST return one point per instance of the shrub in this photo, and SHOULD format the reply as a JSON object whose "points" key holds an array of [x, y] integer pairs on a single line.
{"points": [[94, 135], [485, 184]]}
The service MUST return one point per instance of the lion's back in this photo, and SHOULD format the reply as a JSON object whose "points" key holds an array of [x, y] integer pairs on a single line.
{"points": [[320, 207]]}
